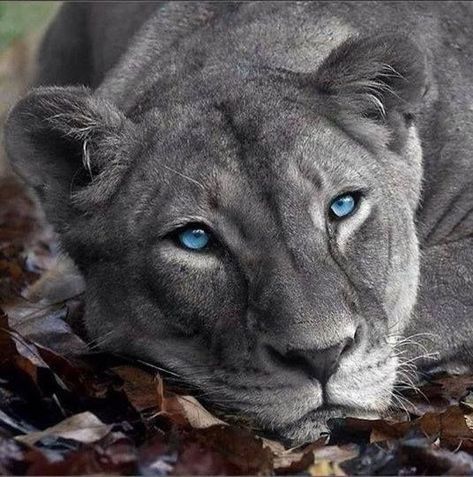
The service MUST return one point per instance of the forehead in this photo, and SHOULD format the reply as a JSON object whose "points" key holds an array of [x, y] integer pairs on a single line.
{"points": [[216, 156]]}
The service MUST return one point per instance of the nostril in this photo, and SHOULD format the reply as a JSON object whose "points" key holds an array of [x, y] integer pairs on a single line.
{"points": [[348, 346], [358, 333], [359, 337]]}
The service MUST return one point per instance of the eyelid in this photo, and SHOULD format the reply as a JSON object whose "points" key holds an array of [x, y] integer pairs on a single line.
{"points": [[174, 226], [362, 191], [192, 226]]}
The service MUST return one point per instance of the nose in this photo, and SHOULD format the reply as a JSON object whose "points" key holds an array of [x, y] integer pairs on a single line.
{"points": [[317, 363], [320, 364]]}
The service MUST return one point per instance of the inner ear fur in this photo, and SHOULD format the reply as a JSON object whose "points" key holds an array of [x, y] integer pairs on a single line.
{"points": [[61, 141], [380, 78], [376, 74]]}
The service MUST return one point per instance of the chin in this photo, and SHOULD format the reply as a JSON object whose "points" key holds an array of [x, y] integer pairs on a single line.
{"points": [[315, 424]]}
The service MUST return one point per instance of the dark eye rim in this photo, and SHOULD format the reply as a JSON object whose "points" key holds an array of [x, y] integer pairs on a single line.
{"points": [[357, 195], [174, 236]]}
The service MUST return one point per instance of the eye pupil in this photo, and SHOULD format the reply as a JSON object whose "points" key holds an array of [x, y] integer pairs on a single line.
{"points": [[343, 205], [194, 238]]}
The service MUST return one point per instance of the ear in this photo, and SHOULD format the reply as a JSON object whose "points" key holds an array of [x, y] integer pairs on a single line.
{"points": [[62, 140], [381, 78]]}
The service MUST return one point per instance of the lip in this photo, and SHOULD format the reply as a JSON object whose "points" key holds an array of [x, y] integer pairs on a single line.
{"points": [[334, 407], [334, 410], [327, 412], [316, 420]]}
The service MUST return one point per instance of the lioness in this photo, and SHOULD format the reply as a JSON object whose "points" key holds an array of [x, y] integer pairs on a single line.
{"points": [[267, 200]]}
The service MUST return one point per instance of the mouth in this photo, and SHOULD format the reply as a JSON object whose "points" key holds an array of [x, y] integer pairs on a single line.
{"points": [[331, 411], [334, 411]]}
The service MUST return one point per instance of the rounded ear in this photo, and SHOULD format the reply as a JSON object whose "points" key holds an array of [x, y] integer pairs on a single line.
{"points": [[61, 140], [375, 75], [372, 88]]}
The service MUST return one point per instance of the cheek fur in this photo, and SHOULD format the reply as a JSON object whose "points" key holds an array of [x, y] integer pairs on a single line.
{"points": [[401, 290], [348, 228]]}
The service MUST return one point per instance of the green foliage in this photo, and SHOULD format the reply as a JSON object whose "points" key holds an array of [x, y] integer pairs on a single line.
{"points": [[18, 19]]}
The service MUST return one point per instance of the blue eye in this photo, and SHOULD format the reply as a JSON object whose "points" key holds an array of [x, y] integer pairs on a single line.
{"points": [[344, 205], [194, 238]]}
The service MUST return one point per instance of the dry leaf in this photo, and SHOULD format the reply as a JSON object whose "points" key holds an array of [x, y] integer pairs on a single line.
{"points": [[84, 427], [196, 415], [295, 459], [325, 468], [139, 386], [184, 409]]}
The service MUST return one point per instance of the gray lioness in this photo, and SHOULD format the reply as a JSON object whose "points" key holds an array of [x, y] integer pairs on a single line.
{"points": [[265, 199]]}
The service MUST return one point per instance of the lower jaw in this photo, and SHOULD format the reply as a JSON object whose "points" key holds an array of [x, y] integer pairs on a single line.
{"points": [[307, 428], [315, 424]]}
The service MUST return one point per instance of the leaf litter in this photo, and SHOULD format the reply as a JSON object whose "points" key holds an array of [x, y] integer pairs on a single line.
{"points": [[65, 410]]}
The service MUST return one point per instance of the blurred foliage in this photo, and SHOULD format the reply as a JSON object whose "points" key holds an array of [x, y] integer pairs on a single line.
{"points": [[17, 19]]}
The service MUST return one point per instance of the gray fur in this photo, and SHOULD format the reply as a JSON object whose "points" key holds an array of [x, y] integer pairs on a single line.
{"points": [[251, 118]]}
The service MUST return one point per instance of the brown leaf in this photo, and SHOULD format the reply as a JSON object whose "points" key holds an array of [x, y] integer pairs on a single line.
{"points": [[194, 459], [183, 410], [440, 393], [455, 387], [22, 234], [196, 415], [139, 386], [7, 345], [450, 427], [17, 353], [239, 446]]}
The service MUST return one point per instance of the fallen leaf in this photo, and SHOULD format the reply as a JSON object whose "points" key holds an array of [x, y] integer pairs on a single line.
{"points": [[325, 468], [139, 386], [239, 446], [47, 326], [196, 415], [84, 427], [184, 410], [455, 387], [113, 455], [293, 460]]}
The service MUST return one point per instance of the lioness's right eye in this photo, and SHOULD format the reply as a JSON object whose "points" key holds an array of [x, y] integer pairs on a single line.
{"points": [[194, 237]]}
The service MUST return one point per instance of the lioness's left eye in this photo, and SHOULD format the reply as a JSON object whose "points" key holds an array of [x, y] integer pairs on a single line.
{"points": [[343, 205], [194, 238]]}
